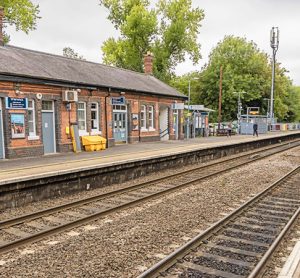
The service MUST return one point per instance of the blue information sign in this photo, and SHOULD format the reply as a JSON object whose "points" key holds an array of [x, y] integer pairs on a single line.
{"points": [[117, 100], [16, 103]]}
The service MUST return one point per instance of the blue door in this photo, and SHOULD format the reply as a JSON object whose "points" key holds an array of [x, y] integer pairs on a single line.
{"points": [[120, 131], [1, 135], [48, 132]]}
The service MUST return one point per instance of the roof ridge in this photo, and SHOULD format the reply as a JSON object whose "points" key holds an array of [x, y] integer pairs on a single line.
{"points": [[75, 59]]}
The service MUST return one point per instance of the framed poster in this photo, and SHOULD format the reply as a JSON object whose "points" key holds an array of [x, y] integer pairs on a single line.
{"points": [[135, 121], [17, 125]]}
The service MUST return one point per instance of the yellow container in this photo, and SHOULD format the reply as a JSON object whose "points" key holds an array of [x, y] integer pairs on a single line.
{"points": [[93, 143], [91, 140], [89, 148], [98, 147]]}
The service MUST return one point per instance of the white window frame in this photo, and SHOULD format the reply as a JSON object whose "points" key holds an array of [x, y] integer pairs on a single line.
{"points": [[97, 130], [143, 117], [82, 131], [32, 135], [151, 117]]}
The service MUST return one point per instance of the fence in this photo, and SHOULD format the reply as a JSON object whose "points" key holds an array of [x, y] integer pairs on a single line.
{"points": [[247, 128], [283, 127]]}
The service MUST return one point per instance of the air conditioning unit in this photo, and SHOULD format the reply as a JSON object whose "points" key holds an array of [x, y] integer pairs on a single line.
{"points": [[70, 96]]}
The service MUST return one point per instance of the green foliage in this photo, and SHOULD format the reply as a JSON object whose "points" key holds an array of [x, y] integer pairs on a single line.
{"points": [[245, 69], [293, 102], [23, 14], [181, 83], [70, 53], [169, 31]]}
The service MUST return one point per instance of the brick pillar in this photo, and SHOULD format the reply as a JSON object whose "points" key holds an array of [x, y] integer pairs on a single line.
{"points": [[1, 26], [148, 63]]}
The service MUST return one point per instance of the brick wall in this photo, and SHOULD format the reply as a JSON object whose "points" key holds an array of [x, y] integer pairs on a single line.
{"points": [[22, 147]]}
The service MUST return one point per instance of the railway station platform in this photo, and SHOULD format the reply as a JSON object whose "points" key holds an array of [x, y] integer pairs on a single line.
{"points": [[39, 178]]}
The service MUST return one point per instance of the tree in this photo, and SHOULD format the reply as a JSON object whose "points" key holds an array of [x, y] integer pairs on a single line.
{"points": [[23, 14], [181, 83], [169, 31], [70, 53], [245, 68], [293, 103]]}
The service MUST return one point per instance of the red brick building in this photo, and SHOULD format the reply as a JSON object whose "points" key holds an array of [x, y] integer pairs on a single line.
{"points": [[42, 94]]}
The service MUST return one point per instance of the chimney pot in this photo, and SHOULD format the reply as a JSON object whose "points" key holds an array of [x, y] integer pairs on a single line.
{"points": [[148, 63], [1, 26]]}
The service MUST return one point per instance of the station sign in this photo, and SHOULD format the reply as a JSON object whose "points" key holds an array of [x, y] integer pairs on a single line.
{"points": [[178, 106], [117, 100], [16, 103], [196, 107]]}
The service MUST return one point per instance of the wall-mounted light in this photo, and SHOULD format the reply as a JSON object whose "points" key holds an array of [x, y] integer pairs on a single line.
{"points": [[122, 93], [17, 88]]}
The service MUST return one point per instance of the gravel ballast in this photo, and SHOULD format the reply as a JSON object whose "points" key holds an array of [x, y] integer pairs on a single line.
{"points": [[127, 243]]}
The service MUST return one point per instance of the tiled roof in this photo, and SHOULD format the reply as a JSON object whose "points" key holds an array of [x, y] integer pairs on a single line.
{"points": [[38, 65]]}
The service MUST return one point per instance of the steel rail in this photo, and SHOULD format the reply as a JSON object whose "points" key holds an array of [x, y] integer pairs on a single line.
{"points": [[178, 254], [41, 213], [76, 223], [257, 271]]}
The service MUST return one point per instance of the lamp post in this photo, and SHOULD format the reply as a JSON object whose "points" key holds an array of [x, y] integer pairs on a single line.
{"points": [[189, 100], [239, 109], [274, 42]]}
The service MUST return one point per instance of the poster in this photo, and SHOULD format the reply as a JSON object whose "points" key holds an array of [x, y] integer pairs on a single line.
{"points": [[17, 125], [135, 121]]}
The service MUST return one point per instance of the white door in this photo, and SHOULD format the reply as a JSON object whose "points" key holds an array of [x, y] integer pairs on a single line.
{"points": [[163, 123], [176, 123]]}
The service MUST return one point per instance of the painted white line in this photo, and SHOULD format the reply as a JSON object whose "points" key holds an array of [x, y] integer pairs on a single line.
{"points": [[292, 266]]}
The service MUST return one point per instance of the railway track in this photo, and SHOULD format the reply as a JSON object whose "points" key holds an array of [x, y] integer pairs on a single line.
{"points": [[32, 227], [240, 244]]}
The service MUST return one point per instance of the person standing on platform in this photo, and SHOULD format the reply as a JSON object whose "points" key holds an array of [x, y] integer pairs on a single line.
{"points": [[255, 129], [229, 128]]}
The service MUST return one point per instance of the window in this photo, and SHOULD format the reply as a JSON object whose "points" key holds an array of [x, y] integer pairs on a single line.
{"points": [[94, 117], [119, 107], [31, 118], [47, 105], [143, 117], [151, 117], [81, 114]]}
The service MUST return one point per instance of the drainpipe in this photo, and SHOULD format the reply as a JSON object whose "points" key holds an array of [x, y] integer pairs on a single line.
{"points": [[105, 111]]}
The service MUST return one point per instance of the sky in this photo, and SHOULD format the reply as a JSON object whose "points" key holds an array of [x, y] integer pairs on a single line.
{"points": [[83, 25]]}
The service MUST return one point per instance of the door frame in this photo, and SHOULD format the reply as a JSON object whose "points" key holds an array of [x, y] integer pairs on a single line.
{"points": [[119, 111], [53, 119], [1, 129], [176, 123], [164, 114]]}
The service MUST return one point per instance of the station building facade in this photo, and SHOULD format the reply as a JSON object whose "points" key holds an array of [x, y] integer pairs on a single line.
{"points": [[42, 94]]}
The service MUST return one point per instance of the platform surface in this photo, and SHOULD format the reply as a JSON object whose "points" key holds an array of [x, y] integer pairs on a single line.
{"points": [[38, 167]]}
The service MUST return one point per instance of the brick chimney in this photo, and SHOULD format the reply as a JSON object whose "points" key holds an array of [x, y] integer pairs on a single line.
{"points": [[1, 26], [148, 63]]}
